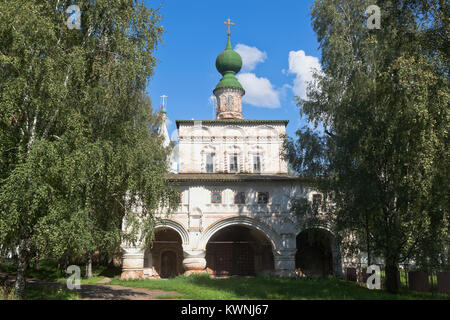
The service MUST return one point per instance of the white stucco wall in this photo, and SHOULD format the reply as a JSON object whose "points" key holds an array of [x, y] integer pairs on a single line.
{"points": [[196, 140]]}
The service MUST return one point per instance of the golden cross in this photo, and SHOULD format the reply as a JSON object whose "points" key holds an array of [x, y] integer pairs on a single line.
{"points": [[229, 23]]}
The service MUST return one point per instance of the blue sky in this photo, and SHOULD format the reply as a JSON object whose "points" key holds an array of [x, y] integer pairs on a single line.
{"points": [[275, 39]]}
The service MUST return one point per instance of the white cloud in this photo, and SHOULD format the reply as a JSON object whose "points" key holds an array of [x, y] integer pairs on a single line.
{"points": [[251, 56], [259, 92], [302, 66]]}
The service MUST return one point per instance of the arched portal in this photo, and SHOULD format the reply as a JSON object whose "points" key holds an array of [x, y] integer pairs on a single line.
{"points": [[314, 255], [165, 258], [239, 250]]}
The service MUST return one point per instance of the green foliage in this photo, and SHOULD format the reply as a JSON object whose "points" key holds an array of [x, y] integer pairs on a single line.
{"points": [[7, 293], [42, 292], [382, 99], [77, 141], [203, 287]]}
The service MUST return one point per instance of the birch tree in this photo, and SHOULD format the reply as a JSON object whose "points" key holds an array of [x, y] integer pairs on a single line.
{"points": [[382, 100], [76, 127]]}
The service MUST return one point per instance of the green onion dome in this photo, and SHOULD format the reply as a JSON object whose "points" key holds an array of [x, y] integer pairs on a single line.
{"points": [[229, 60], [228, 63]]}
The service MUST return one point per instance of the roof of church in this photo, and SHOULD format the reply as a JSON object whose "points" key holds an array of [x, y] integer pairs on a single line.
{"points": [[230, 177], [232, 121]]}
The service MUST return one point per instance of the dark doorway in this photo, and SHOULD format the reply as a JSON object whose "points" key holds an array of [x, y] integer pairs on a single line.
{"points": [[238, 250], [314, 257], [232, 258], [165, 256], [168, 264]]}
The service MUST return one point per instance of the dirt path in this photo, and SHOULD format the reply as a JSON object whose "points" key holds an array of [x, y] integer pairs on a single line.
{"points": [[112, 292], [109, 292]]}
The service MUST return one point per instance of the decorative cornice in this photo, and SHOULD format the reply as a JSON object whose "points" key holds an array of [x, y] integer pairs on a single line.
{"points": [[232, 121], [230, 138]]}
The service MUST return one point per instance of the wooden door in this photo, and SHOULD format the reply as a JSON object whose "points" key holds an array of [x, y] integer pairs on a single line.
{"points": [[168, 264], [244, 259], [223, 260]]}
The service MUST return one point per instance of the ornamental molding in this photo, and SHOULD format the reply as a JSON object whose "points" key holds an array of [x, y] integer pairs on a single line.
{"points": [[229, 138]]}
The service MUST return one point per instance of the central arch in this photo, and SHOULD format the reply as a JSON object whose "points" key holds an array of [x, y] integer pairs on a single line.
{"points": [[239, 246], [272, 236]]}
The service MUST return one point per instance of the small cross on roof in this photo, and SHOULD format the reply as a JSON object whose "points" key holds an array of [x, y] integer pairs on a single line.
{"points": [[229, 23]]}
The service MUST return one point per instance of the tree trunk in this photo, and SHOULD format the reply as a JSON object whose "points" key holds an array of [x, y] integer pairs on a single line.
{"points": [[88, 265], [392, 278], [21, 270]]}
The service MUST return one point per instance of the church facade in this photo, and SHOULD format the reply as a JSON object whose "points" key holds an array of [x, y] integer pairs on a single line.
{"points": [[234, 216]]}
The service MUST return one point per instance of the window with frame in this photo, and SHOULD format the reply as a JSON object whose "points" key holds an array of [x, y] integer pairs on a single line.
{"points": [[239, 198], [256, 164], [216, 197], [263, 197], [234, 163], [210, 163]]}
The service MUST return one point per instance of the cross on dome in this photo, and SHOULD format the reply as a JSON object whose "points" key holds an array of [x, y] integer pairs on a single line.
{"points": [[163, 103], [229, 23]]}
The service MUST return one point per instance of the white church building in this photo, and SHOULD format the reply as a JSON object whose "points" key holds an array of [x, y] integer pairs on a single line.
{"points": [[233, 217]]}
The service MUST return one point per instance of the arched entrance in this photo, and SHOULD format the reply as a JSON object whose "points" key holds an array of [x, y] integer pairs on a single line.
{"points": [[239, 250], [314, 253], [165, 257]]}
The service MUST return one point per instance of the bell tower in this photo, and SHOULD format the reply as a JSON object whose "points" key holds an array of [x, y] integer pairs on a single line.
{"points": [[229, 91]]}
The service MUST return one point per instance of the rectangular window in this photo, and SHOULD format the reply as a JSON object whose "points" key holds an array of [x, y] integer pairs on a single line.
{"points": [[210, 163], [216, 197], [263, 197], [256, 164], [239, 198], [233, 163]]}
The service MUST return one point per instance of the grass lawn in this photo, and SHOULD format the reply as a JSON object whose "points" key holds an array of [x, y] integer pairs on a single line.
{"points": [[49, 293], [266, 287], [36, 292]]}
